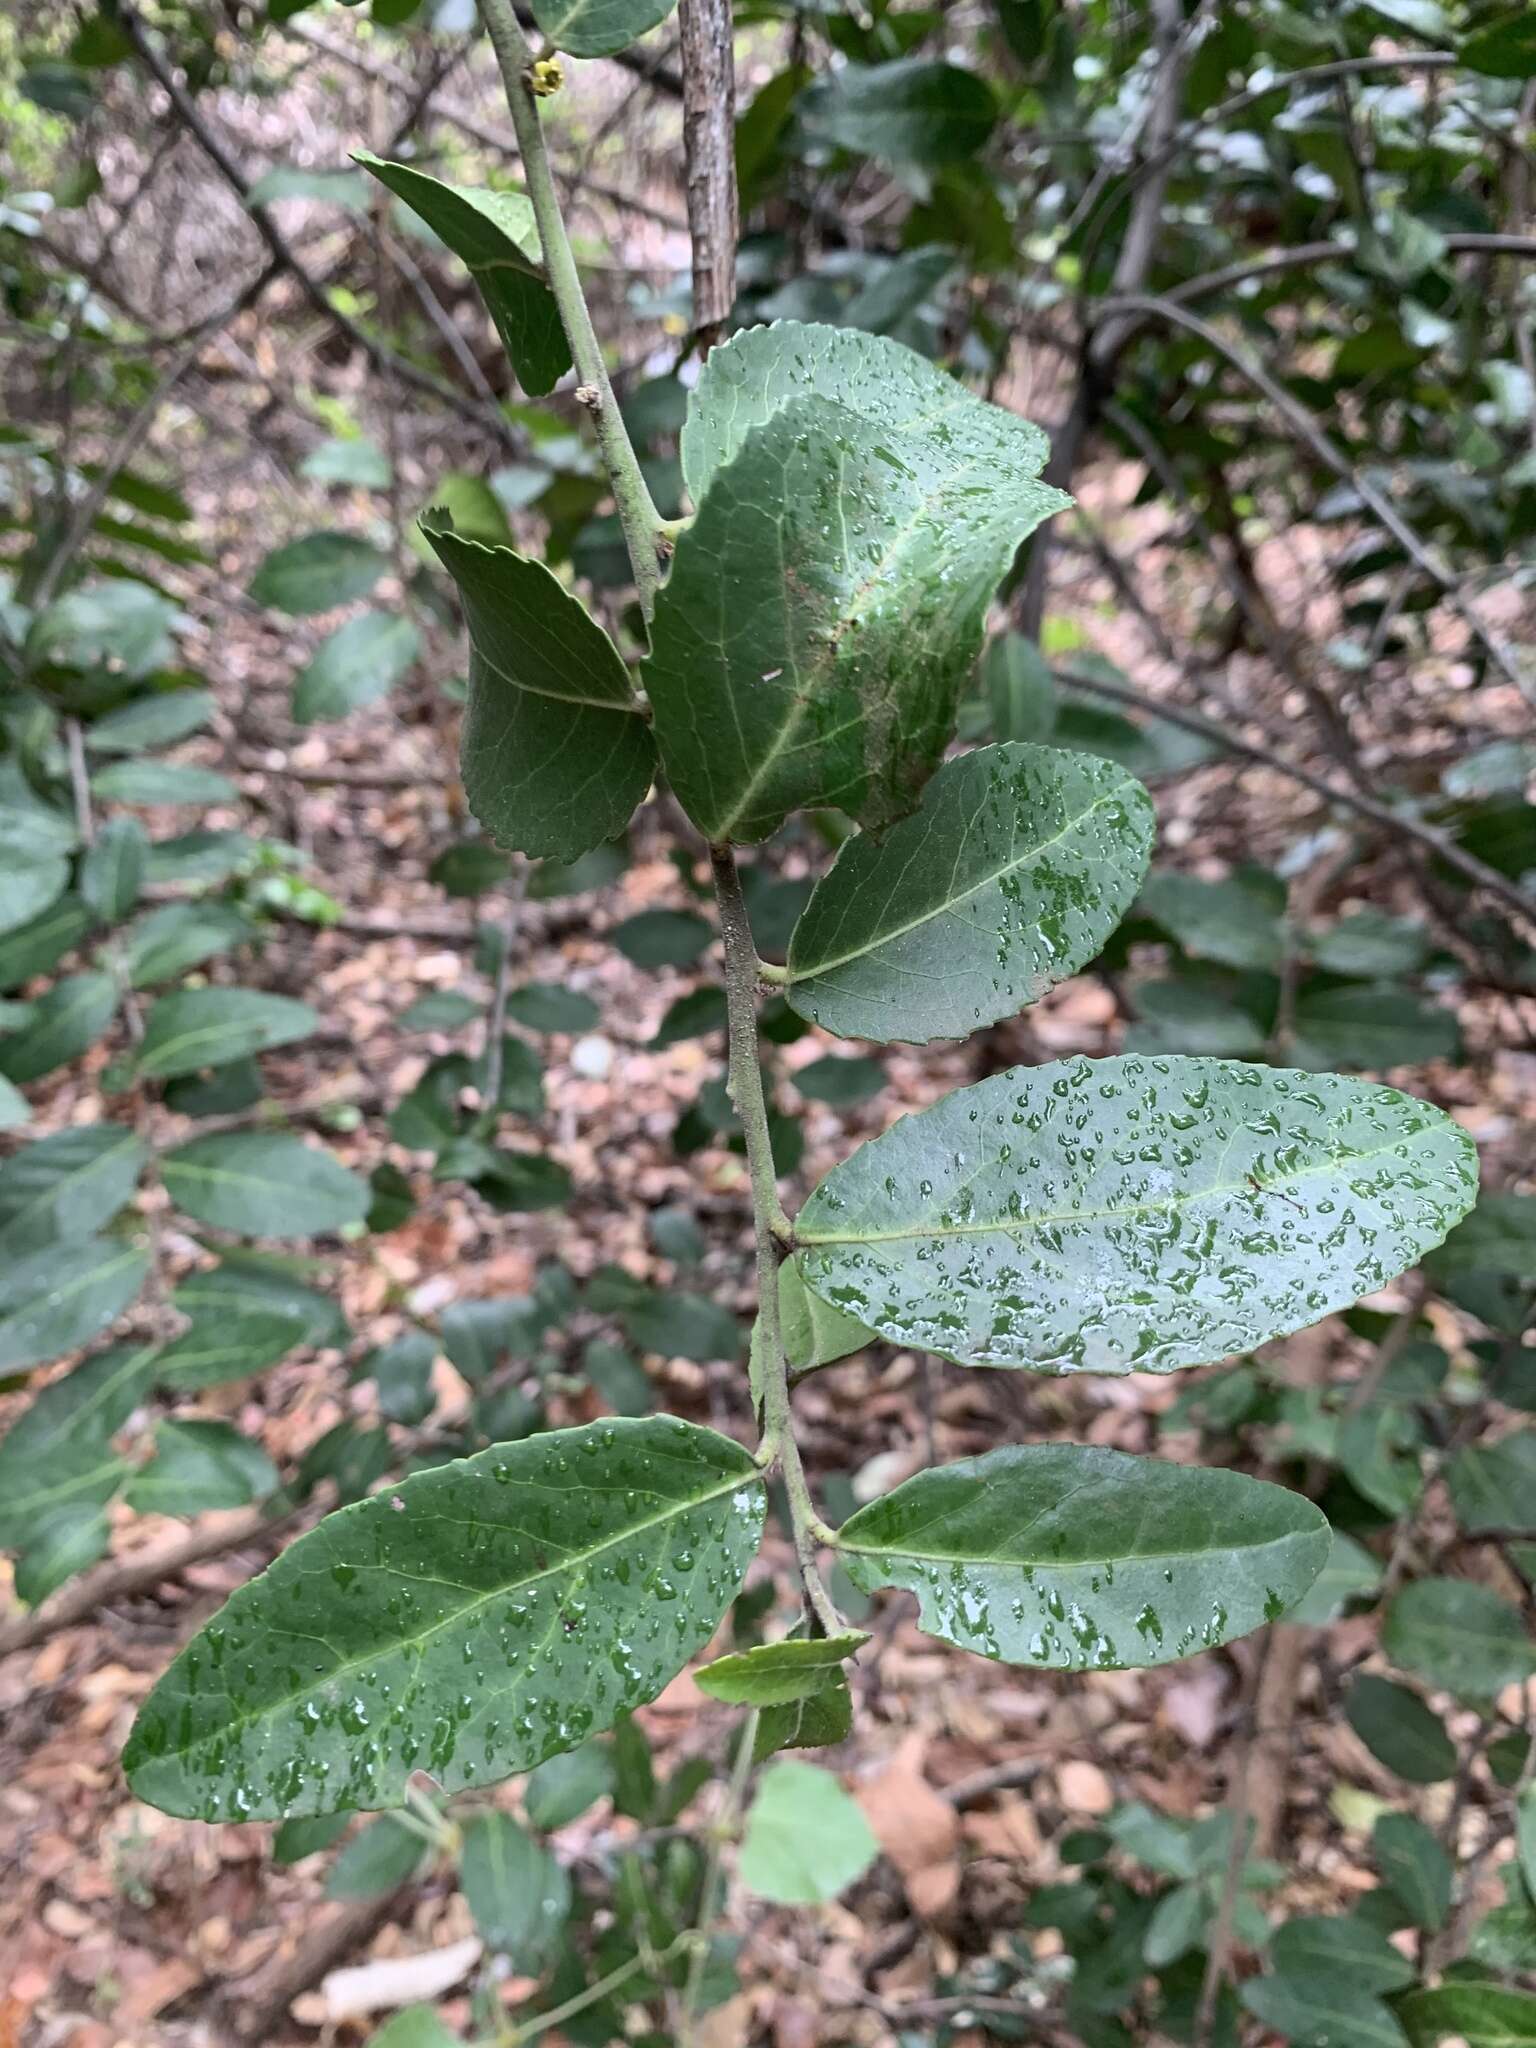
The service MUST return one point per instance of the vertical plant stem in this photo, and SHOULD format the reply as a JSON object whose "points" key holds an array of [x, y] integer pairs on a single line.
{"points": [[637, 514], [712, 1890], [770, 1227], [494, 1051], [709, 122]]}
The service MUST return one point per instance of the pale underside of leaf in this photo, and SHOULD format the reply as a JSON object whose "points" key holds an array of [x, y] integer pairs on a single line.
{"points": [[510, 1605], [598, 28], [556, 754], [1009, 877], [1077, 1558], [1132, 1214], [493, 234]]}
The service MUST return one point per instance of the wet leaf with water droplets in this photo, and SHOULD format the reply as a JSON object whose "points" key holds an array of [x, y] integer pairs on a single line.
{"points": [[555, 752], [1133, 1214], [474, 1620], [1078, 1558], [828, 601], [1016, 868]]}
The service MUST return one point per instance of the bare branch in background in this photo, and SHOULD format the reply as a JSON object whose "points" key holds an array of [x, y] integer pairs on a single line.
{"points": [[709, 142]]}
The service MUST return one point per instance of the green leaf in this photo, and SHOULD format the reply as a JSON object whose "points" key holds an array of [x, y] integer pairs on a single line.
{"points": [[296, 1839], [1506, 48], [199, 1466], [1415, 1866], [1132, 1214], [66, 1186], [1019, 687], [1376, 1026], [317, 573], [563, 1787], [1458, 1635], [1493, 1486], [352, 459], [814, 1333], [158, 720], [818, 1721], [1481, 2015], [796, 665], [598, 28], [1399, 1730], [57, 1549], [352, 1662], [263, 1184], [1350, 1573], [1078, 1558], [547, 1006], [662, 938], [912, 111], [494, 236], [162, 782], [39, 945], [121, 622], [839, 1080], [555, 752], [32, 880], [402, 1373], [470, 868], [56, 1299], [1236, 922], [1343, 1946], [112, 872], [1525, 1837], [57, 1451], [244, 1316], [416, 2026], [519, 1894], [773, 1674], [357, 664], [66, 1022], [439, 1009], [684, 1326], [1010, 876], [806, 1840], [383, 1855], [1321, 2012], [1370, 943], [694, 1015], [212, 1027], [15, 1110]]}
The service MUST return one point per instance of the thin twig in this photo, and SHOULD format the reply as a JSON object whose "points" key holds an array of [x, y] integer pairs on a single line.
{"points": [[282, 251], [1306, 429], [1473, 870]]}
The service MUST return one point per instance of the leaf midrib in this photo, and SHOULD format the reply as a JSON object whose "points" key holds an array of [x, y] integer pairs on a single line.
{"points": [[1086, 1564], [987, 881], [413, 1644], [45, 1196], [1023, 1226]]}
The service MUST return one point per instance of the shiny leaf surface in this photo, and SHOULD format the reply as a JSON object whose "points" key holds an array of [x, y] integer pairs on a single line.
{"points": [[509, 1606], [1017, 866], [1078, 1558], [828, 600], [1132, 1214]]}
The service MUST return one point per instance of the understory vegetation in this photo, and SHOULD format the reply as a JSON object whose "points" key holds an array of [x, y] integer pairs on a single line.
{"points": [[767, 886]]}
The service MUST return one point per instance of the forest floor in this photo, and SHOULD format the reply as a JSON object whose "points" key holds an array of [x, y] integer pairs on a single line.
{"points": [[119, 1925]]}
